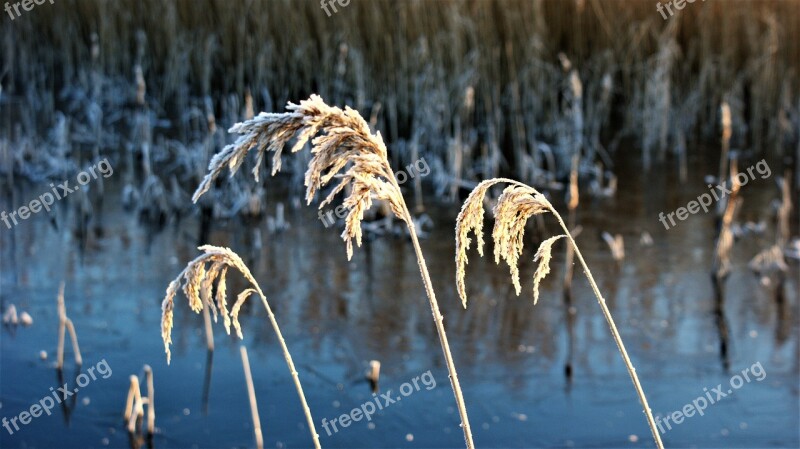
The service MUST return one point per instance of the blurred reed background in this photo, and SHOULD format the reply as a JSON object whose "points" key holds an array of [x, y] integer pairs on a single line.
{"points": [[480, 88]]}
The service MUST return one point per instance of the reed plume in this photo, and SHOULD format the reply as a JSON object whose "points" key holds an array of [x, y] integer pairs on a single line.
{"points": [[197, 279], [517, 203], [344, 148]]}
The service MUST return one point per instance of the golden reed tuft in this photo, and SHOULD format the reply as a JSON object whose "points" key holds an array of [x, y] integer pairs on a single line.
{"points": [[197, 283], [347, 144], [514, 207], [198, 279]]}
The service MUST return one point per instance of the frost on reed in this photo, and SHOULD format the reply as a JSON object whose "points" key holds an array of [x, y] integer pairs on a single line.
{"points": [[514, 207], [343, 148], [197, 280], [347, 144]]}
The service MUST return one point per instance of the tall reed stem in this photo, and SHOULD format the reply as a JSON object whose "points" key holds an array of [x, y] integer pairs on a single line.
{"points": [[439, 320], [603, 307], [207, 325], [617, 339], [251, 394], [292, 369], [151, 407]]}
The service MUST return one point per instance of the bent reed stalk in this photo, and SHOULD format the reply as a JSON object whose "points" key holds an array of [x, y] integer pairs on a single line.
{"points": [[517, 203], [341, 142], [198, 282], [65, 325]]}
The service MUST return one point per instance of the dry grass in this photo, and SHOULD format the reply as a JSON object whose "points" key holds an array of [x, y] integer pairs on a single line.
{"points": [[347, 142], [345, 149], [514, 207], [441, 73], [197, 280], [516, 204], [251, 395]]}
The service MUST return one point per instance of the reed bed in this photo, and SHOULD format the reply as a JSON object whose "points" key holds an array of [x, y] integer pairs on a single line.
{"points": [[438, 77]]}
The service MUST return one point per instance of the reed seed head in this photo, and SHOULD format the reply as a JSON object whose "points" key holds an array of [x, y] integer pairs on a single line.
{"points": [[543, 256], [197, 284], [511, 213], [514, 207], [240, 299], [343, 148]]}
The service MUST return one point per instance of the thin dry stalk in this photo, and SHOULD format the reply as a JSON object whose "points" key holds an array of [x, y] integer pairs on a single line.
{"points": [[197, 281], [785, 208], [374, 374], [251, 394], [151, 406], [572, 206], [10, 317], [134, 405], [725, 140], [724, 244], [65, 324], [134, 408], [343, 143], [74, 338], [61, 327], [519, 200], [133, 390], [209, 331]]}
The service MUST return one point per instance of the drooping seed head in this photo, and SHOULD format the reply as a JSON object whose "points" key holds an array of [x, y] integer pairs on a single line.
{"points": [[197, 282], [511, 213], [343, 147], [514, 207], [543, 256]]}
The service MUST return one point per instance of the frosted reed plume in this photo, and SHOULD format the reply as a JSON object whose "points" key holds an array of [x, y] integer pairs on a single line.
{"points": [[198, 279], [347, 143], [514, 207], [345, 149]]}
